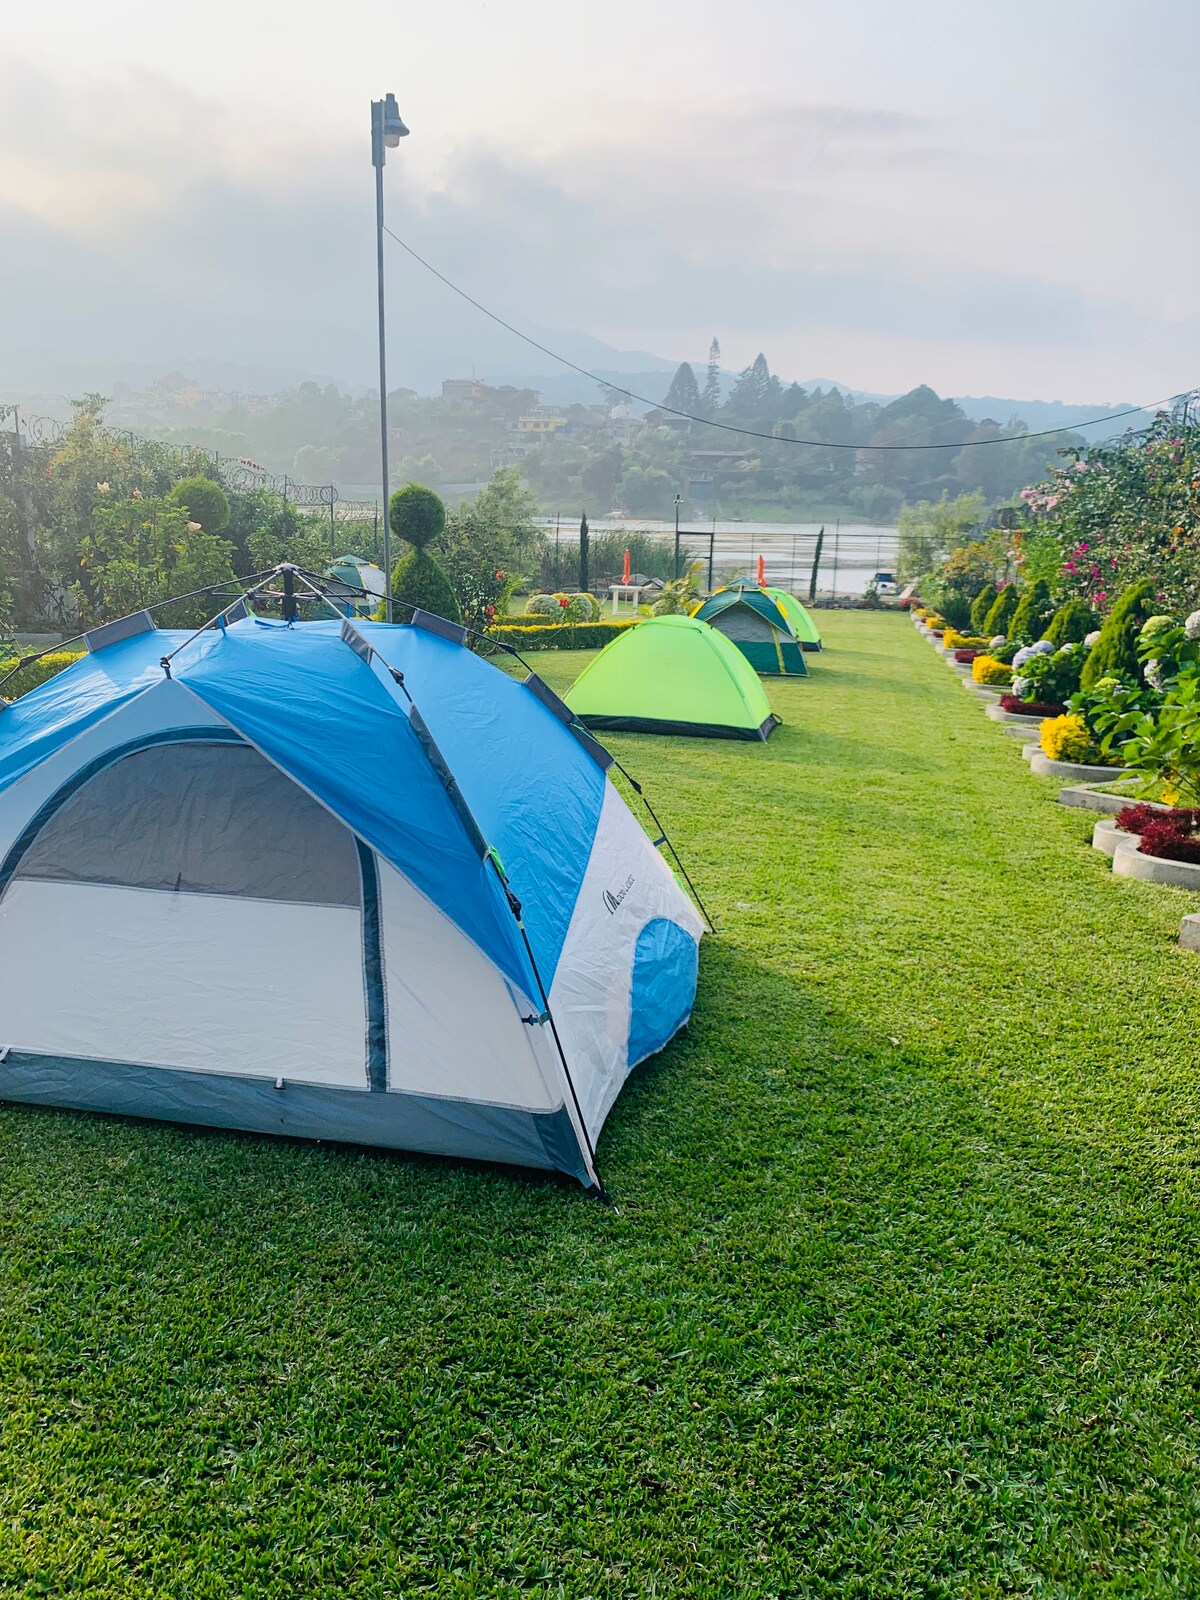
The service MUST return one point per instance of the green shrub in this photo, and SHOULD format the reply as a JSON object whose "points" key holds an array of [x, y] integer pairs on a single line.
{"points": [[1071, 623], [418, 581], [543, 605], [981, 605], [33, 676], [986, 669], [1001, 614], [1032, 614], [417, 515], [1115, 652], [203, 500], [559, 636]]}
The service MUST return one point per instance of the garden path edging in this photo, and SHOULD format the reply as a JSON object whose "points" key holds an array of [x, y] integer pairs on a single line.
{"points": [[1129, 862], [1045, 768]]}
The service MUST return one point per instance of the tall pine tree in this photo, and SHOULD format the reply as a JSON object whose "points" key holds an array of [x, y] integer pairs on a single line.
{"points": [[710, 400], [684, 393], [584, 572]]}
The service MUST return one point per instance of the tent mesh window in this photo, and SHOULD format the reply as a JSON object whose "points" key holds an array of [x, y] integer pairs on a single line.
{"points": [[198, 819], [744, 625]]}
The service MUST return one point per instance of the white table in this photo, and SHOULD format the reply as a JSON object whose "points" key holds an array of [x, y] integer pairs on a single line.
{"points": [[625, 591]]}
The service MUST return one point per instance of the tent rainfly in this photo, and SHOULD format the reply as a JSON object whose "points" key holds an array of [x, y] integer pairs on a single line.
{"points": [[356, 573], [799, 618], [753, 620], [339, 881], [673, 675]]}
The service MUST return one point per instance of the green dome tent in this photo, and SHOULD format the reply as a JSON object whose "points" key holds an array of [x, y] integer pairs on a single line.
{"points": [[755, 622], [799, 617], [357, 574], [673, 675]]}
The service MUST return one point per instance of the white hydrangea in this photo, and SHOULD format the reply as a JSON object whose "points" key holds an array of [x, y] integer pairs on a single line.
{"points": [[1042, 648], [1192, 625], [1090, 639], [1022, 656], [1021, 687], [1154, 676], [998, 642]]}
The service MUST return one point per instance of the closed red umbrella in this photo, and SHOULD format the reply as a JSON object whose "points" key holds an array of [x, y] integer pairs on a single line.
{"points": [[626, 569], [762, 573]]}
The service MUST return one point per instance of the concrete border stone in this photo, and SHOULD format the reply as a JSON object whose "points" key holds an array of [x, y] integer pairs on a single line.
{"points": [[1189, 932], [1080, 772], [1129, 862]]}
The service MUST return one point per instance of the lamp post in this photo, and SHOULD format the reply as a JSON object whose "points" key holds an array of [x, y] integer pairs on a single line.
{"points": [[387, 130], [677, 535]]}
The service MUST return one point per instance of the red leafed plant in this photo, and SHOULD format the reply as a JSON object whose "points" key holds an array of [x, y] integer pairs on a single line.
{"points": [[1137, 818], [1030, 708], [965, 657], [1163, 839]]}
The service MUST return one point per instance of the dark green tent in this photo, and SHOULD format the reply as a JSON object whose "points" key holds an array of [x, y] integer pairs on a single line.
{"points": [[753, 620]]}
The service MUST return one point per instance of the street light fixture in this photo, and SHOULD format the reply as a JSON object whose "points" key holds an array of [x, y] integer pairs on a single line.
{"points": [[387, 130]]}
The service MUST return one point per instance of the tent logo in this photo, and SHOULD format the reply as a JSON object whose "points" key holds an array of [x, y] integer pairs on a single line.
{"points": [[613, 901]]}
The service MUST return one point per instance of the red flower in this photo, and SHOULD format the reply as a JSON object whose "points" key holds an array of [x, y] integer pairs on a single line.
{"points": [[564, 602], [491, 611], [500, 576]]}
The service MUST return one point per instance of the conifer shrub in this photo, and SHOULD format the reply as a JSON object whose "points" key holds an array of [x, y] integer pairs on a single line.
{"points": [[981, 606], [1071, 623], [1115, 652], [1033, 612], [1001, 614]]}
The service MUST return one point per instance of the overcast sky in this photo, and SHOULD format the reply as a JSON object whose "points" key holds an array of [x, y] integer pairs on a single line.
{"points": [[991, 198]]}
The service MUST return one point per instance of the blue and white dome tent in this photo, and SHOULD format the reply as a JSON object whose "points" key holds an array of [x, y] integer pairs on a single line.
{"points": [[336, 880]]}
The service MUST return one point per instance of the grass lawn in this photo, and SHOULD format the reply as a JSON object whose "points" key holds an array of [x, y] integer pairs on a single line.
{"points": [[898, 1298]]}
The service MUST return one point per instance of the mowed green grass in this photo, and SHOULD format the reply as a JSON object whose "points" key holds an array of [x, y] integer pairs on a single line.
{"points": [[898, 1296]]}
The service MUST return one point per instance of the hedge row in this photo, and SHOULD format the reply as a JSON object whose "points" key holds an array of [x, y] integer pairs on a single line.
{"points": [[36, 674], [558, 635]]}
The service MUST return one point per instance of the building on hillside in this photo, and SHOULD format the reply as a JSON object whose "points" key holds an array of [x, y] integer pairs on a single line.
{"points": [[467, 391], [541, 422]]}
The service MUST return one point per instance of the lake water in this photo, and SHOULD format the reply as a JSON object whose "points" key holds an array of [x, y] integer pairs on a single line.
{"points": [[852, 553]]}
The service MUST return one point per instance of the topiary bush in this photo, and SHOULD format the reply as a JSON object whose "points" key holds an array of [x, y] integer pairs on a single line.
{"points": [[1071, 623], [1033, 612], [981, 606], [1115, 652], [419, 582], [582, 608], [418, 516], [203, 500], [543, 605], [999, 617]]}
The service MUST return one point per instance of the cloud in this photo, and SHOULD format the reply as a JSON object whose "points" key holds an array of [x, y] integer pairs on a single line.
{"points": [[145, 221]]}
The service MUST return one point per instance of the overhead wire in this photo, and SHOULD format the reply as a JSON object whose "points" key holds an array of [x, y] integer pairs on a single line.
{"points": [[755, 433]]}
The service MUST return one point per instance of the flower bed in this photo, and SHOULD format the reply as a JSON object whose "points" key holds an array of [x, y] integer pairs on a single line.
{"points": [[1029, 708], [990, 672]]}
